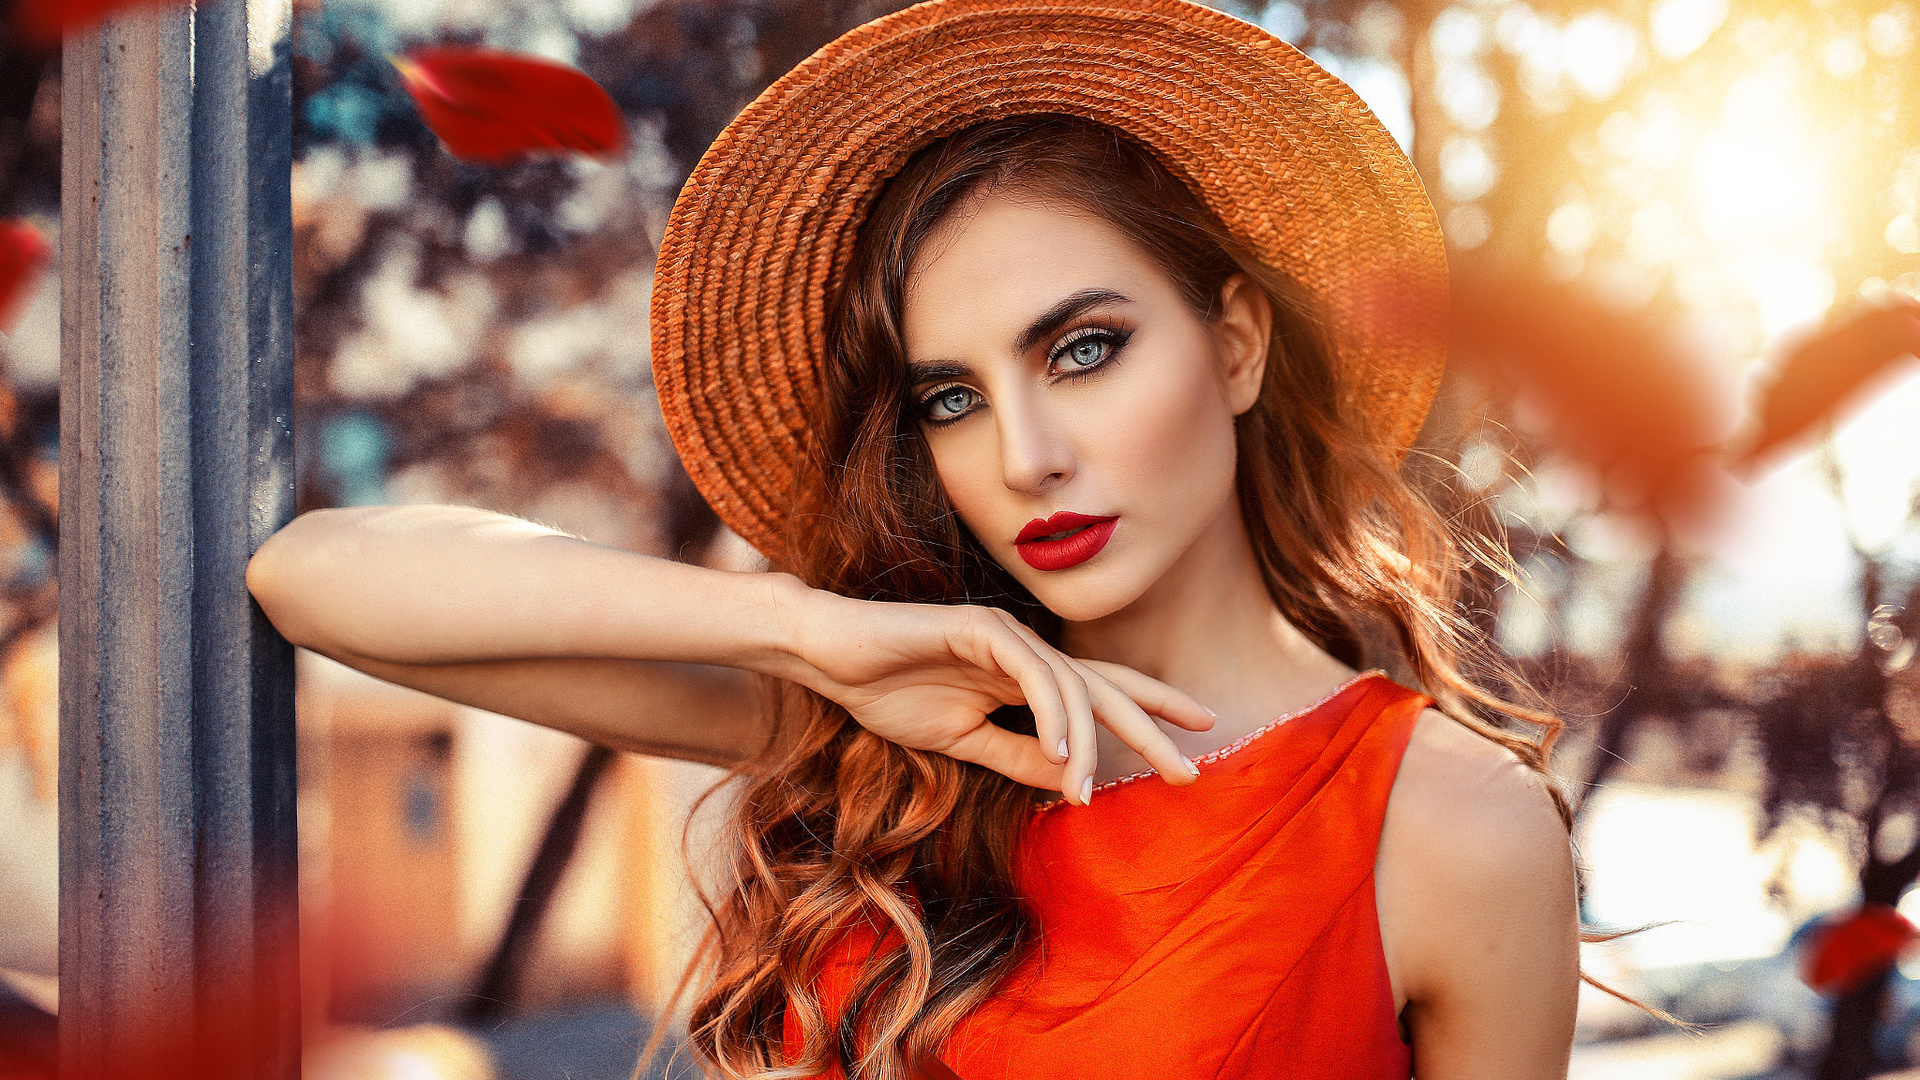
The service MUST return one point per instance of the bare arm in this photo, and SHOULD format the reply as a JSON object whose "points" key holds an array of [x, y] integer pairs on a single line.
{"points": [[651, 655], [1478, 890], [516, 618]]}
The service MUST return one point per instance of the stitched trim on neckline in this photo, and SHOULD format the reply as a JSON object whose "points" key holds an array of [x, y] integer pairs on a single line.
{"points": [[1237, 744]]}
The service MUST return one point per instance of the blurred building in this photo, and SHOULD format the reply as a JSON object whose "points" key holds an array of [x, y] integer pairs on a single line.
{"points": [[419, 821]]}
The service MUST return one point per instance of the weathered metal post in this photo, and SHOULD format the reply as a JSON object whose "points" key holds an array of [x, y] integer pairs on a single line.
{"points": [[178, 952]]}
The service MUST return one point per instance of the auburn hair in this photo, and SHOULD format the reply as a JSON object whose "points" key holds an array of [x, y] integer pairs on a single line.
{"points": [[836, 827]]}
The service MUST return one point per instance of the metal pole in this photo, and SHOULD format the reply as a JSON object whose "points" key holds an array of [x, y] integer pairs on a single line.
{"points": [[178, 951]]}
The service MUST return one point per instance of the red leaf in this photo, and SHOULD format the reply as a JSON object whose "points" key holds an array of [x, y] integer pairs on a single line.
{"points": [[42, 23], [1841, 956], [1855, 948], [23, 254], [496, 107], [1621, 392], [1825, 373]]}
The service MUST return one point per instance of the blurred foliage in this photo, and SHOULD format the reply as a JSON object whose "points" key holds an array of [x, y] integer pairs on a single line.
{"points": [[1655, 191], [477, 333]]}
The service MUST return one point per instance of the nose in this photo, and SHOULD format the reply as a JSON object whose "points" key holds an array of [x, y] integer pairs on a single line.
{"points": [[1036, 455]]}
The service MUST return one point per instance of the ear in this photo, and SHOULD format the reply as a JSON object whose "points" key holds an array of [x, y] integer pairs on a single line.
{"points": [[1240, 334]]}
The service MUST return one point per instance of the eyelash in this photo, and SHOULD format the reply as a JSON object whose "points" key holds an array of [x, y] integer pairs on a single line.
{"points": [[1115, 337]]}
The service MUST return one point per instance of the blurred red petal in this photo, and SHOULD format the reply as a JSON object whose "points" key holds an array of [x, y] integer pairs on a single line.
{"points": [[42, 23], [1621, 392], [496, 107], [23, 254], [1855, 948], [1815, 382]]}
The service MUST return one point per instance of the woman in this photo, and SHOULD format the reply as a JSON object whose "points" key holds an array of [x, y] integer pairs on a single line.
{"points": [[1059, 357]]}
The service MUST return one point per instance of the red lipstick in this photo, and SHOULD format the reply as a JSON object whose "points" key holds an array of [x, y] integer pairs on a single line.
{"points": [[1084, 538]]}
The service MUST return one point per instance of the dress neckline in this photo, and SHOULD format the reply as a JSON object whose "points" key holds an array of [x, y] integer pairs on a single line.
{"points": [[1238, 744]]}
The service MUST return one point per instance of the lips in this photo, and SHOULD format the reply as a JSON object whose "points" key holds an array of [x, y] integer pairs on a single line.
{"points": [[1043, 547], [1063, 521]]}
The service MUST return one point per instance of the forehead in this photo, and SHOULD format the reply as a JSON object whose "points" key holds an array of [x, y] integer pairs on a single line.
{"points": [[998, 260]]}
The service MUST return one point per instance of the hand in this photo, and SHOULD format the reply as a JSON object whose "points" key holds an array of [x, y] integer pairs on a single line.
{"points": [[926, 676]]}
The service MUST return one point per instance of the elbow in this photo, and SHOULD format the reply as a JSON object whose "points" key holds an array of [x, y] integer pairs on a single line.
{"points": [[285, 574], [266, 578]]}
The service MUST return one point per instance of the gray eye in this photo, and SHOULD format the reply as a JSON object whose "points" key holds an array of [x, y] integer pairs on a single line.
{"points": [[1086, 352], [949, 403]]}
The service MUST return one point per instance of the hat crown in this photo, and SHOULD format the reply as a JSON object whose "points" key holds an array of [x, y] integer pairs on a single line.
{"points": [[1284, 154]]}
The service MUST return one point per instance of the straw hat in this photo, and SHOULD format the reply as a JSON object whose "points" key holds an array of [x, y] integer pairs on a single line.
{"points": [[1287, 156]]}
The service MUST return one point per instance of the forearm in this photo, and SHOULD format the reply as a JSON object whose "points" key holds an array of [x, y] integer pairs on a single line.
{"points": [[694, 712], [428, 585]]}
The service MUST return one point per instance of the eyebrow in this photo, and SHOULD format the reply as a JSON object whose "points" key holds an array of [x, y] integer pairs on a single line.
{"points": [[1048, 324]]}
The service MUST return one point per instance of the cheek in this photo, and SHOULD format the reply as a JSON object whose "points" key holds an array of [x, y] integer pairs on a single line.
{"points": [[967, 474], [1174, 439]]}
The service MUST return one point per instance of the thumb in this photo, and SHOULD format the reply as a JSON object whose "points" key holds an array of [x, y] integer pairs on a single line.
{"points": [[1017, 757]]}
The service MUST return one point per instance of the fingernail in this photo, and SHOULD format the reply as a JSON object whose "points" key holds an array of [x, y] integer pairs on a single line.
{"points": [[1191, 767], [1063, 748], [1211, 713], [1086, 791]]}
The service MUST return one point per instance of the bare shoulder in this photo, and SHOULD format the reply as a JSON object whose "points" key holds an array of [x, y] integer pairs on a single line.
{"points": [[1456, 785], [1476, 888]]}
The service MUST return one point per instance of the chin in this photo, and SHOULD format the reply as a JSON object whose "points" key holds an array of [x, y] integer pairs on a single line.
{"points": [[1083, 599]]}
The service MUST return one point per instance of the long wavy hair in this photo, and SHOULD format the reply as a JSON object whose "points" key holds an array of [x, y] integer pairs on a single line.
{"points": [[838, 828]]}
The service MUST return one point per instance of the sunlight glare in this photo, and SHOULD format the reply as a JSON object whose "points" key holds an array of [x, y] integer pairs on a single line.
{"points": [[1471, 99], [1570, 227], [1845, 56], [1903, 235], [1788, 291], [1754, 172], [1554, 495], [1681, 26], [1906, 183], [1468, 226], [1661, 136], [1654, 235], [1521, 31], [1661, 853], [1879, 458], [1380, 84], [1467, 171], [1598, 50], [1890, 33], [1535, 42], [1379, 28], [1285, 21], [1779, 573], [1457, 34]]}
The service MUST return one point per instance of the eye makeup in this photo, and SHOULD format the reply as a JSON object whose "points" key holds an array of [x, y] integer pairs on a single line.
{"points": [[1114, 337], [1112, 334]]}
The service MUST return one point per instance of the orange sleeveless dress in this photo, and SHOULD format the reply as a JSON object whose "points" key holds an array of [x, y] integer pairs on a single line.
{"points": [[1222, 930]]}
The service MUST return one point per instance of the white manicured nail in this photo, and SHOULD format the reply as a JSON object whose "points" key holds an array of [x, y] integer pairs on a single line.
{"points": [[1063, 748], [1086, 791], [1191, 767]]}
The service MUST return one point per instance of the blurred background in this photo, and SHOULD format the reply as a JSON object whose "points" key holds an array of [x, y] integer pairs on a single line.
{"points": [[1677, 227]]}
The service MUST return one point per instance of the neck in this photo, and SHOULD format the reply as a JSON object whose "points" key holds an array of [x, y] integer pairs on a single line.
{"points": [[1209, 628]]}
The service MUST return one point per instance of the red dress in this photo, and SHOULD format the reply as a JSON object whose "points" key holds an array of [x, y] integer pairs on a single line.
{"points": [[1222, 930]]}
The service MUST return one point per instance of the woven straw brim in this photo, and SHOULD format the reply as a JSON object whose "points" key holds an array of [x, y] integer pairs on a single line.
{"points": [[1293, 163]]}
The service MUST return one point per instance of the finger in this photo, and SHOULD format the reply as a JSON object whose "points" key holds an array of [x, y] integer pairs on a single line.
{"points": [[1050, 729], [1017, 757], [1083, 750], [1155, 697], [1040, 686], [1134, 727]]}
